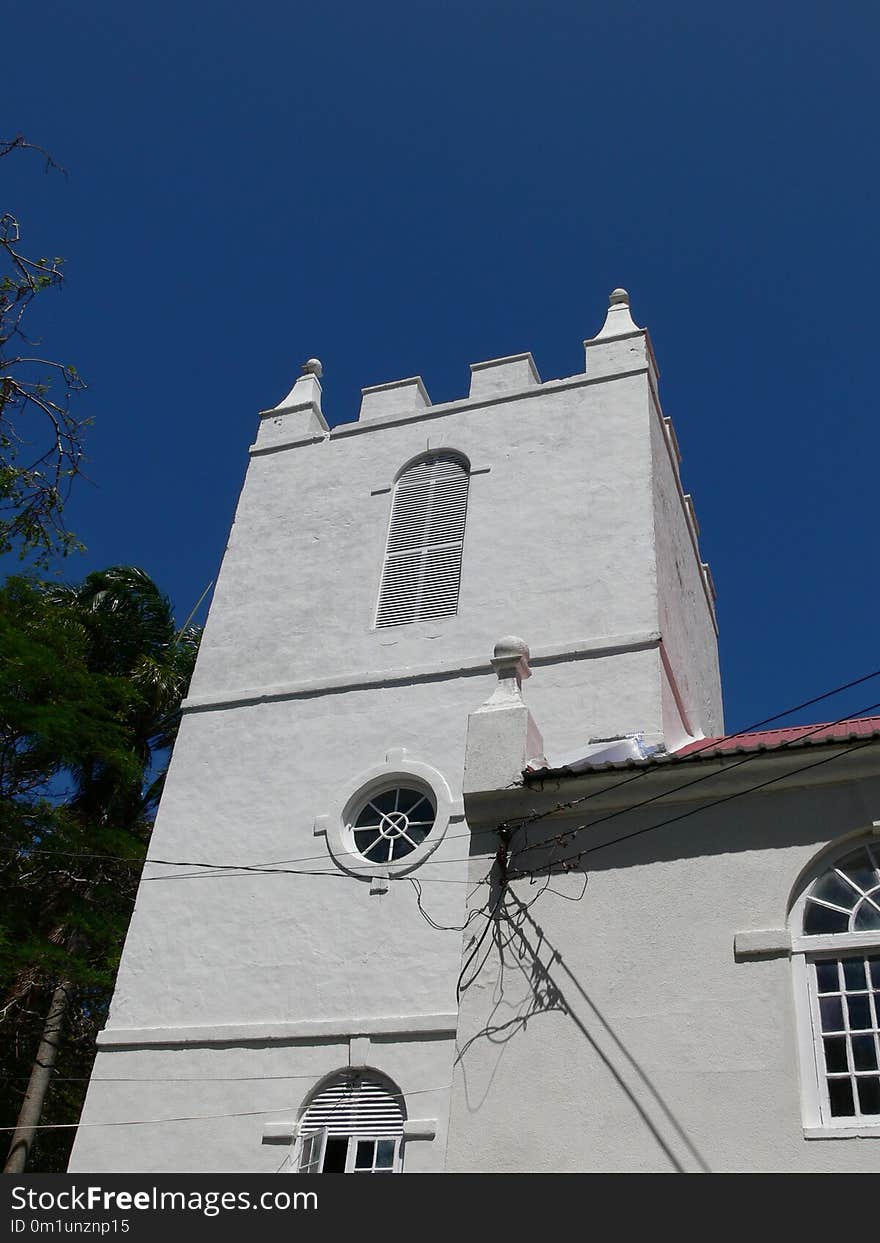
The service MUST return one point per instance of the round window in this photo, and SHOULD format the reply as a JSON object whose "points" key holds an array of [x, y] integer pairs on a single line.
{"points": [[392, 823]]}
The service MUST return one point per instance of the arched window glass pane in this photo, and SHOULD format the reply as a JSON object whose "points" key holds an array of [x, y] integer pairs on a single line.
{"points": [[822, 919], [867, 918], [842, 887], [834, 889]]}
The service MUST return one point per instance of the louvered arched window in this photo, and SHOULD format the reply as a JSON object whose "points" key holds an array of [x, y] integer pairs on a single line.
{"points": [[422, 570], [353, 1126]]}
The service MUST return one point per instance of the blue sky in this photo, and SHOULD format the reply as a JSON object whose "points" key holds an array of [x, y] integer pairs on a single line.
{"points": [[405, 189]]}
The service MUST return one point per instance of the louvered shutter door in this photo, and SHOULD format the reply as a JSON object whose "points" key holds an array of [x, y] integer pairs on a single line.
{"points": [[360, 1108], [422, 571]]}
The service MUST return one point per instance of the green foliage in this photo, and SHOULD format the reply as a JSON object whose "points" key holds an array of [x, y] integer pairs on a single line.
{"points": [[56, 710], [91, 680]]}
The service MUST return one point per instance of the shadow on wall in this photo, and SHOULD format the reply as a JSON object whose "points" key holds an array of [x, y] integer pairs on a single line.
{"points": [[526, 956]]}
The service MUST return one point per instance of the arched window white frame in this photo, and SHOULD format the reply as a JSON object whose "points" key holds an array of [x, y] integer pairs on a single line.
{"points": [[353, 1124], [835, 925], [421, 573]]}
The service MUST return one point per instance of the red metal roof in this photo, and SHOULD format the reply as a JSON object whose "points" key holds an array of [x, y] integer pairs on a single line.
{"points": [[791, 735]]}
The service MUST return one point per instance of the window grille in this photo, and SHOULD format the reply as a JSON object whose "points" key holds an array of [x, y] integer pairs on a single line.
{"points": [[847, 897], [393, 823], [422, 571], [840, 943], [846, 1010]]}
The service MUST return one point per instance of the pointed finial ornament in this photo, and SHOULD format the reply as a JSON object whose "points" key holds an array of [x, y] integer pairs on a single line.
{"points": [[306, 392], [618, 322]]}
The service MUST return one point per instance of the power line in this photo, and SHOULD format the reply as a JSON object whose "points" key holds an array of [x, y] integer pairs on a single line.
{"points": [[569, 863], [712, 743], [177, 1079], [234, 870], [249, 1113], [666, 793], [642, 772], [283, 1109], [276, 868], [416, 884]]}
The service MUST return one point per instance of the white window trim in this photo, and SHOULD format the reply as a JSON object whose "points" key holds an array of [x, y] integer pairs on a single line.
{"points": [[351, 1152], [804, 949], [318, 1159], [398, 768]]}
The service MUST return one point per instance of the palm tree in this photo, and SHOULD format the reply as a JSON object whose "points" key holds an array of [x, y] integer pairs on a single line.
{"points": [[130, 639], [133, 635]]}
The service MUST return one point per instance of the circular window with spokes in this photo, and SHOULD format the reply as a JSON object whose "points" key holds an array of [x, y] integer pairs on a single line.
{"points": [[392, 823]]}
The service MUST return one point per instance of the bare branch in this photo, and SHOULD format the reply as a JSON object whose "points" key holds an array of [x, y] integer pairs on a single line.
{"points": [[33, 492], [20, 143]]}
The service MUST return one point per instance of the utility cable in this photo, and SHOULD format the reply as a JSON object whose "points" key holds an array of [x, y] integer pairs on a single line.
{"points": [[568, 864], [675, 789], [249, 1113], [234, 868]]}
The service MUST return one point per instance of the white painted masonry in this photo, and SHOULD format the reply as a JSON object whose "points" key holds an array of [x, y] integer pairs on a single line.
{"points": [[660, 1023], [241, 991]]}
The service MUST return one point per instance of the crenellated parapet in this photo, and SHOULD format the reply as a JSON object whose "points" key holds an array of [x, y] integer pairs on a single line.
{"points": [[620, 350]]}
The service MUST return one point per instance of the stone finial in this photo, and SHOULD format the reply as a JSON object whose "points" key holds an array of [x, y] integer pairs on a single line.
{"points": [[619, 320], [298, 417], [502, 736], [510, 661], [306, 392]]}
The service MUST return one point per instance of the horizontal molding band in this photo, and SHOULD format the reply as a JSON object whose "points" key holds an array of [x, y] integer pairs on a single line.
{"points": [[586, 649], [403, 1027], [307, 438]]}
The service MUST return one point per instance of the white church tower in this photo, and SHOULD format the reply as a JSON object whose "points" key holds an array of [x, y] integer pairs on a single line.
{"points": [[287, 999]]}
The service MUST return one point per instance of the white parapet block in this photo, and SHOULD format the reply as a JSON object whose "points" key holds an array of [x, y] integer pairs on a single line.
{"points": [[503, 375], [400, 399]]}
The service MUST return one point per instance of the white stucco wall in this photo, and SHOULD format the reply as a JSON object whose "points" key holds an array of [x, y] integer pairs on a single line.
{"points": [[645, 1045], [264, 1084], [247, 786]]}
